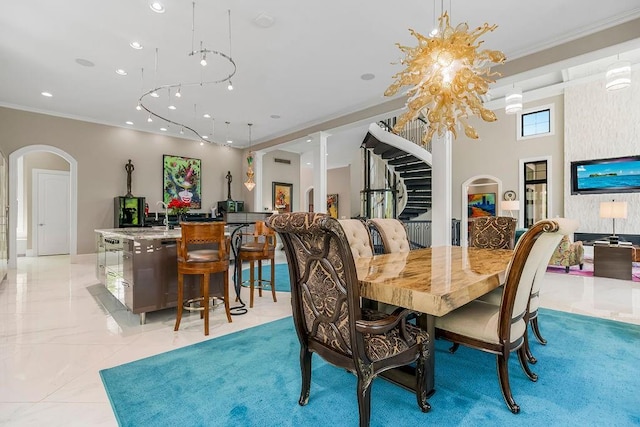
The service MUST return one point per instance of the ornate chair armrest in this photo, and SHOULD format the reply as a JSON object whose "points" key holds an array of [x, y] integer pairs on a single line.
{"points": [[382, 326]]}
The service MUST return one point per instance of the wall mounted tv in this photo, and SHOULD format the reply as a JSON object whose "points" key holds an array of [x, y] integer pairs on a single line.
{"points": [[616, 175]]}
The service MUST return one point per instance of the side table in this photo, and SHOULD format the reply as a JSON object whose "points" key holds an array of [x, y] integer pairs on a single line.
{"points": [[612, 261]]}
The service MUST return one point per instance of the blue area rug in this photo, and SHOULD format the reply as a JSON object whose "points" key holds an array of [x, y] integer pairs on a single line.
{"points": [[282, 275], [589, 375]]}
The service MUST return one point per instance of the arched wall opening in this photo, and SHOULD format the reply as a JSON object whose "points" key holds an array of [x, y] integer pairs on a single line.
{"points": [[13, 197]]}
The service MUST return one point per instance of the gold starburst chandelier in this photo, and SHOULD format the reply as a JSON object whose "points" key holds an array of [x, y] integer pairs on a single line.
{"points": [[447, 74]]}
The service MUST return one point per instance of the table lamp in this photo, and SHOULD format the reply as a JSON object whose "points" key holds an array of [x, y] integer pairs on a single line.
{"points": [[613, 210], [510, 205]]}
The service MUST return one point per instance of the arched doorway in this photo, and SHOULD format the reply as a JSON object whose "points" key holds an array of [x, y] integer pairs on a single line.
{"points": [[308, 200], [13, 197], [474, 185]]}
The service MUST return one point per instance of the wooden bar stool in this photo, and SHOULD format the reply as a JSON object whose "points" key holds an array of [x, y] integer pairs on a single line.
{"points": [[261, 248], [203, 250]]}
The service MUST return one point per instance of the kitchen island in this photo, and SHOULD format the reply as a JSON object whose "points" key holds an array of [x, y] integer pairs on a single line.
{"points": [[139, 268]]}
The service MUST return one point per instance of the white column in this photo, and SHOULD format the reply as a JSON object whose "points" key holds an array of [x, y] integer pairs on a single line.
{"points": [[319, 141], [258, 205], [441, 190]]}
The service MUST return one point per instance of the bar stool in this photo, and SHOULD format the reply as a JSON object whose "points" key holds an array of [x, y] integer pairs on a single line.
{"points": [[261, 248], [202, 250]]}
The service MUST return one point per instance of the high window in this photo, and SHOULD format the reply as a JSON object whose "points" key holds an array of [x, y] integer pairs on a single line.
{"points": [[536, 122]]}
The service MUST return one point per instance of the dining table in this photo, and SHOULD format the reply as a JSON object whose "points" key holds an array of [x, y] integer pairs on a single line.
{"points": [[432, 281]]}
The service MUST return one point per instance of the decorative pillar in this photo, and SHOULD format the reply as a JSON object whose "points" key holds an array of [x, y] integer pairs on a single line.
{"points": [[258, 205], [441, 191], [319, 141]]}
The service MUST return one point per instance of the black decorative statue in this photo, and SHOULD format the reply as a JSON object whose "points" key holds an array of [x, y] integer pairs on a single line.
{"points": [[229, 178], [129, 168]]}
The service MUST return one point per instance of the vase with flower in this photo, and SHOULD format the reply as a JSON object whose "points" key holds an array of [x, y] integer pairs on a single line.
{"points": [[179, 208]]}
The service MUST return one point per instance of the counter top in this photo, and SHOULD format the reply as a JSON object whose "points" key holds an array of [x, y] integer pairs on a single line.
{"points": [[141, 233], [144, 233]]}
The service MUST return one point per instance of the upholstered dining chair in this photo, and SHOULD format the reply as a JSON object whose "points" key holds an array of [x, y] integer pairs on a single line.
{"points": [[493, 232], [500, 329], [261, 246], [392, 233], [358, 237], [566, 228], [202, 250], [328, 317]]}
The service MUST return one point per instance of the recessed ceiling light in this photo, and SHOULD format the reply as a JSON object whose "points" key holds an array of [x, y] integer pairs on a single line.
{"points": [[135, 45], [308, 139], [206, 116], [121, 72], [172, 107], [129, 122], [263, 20], [205, 137], [229, 141], [155, 94], [308, 163], [84, 62], [201, 143], [157, 6], [47, 94], [368, 76], [274, 116], [163, 129]]}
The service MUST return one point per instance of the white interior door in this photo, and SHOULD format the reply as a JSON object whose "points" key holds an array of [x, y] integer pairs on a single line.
{"points": [[51, 212]]}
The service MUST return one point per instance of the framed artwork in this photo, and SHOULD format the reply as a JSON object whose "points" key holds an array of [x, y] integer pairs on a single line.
{"points": [[481, 204], [282, 196], [182, 180], [332, 205]]}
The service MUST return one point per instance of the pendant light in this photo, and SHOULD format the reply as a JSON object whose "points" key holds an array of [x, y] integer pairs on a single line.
{"points": [[249, 182], [513, 101]]}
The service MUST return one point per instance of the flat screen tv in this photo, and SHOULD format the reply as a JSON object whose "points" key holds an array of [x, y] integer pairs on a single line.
{"points": [[616, 175]]}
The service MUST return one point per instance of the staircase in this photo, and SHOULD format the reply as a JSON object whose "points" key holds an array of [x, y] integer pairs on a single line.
{"points": [[411, 163]]}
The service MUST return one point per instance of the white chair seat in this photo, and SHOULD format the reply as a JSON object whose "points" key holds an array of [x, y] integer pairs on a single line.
{"points": [[478, 320], [494, 297]]}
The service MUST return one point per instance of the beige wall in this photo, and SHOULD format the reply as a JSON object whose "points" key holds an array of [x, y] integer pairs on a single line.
{"points": [[279, 172], [601, 124], [336, 184], [498, 152], [31, 161], [337, 180], [102, 152]]}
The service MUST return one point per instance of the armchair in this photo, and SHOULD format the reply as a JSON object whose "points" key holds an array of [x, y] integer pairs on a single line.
{"points": [[568, 253], [329, 318]]}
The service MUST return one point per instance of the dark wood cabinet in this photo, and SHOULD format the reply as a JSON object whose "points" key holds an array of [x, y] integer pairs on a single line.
{"points": [[612, 261]]}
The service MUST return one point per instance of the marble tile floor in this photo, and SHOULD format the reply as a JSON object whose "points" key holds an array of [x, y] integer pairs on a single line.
{"points": [[58, 329]]}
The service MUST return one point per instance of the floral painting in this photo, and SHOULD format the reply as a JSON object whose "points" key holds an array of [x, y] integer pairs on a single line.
{"points": [[182, 180], [282, 198]]}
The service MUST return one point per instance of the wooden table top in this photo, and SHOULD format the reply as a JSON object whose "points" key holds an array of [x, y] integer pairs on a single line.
{"points": [[432, 280]]}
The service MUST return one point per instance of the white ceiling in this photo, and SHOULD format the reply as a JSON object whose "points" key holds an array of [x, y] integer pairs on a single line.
{"points": [[306, 68]]}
